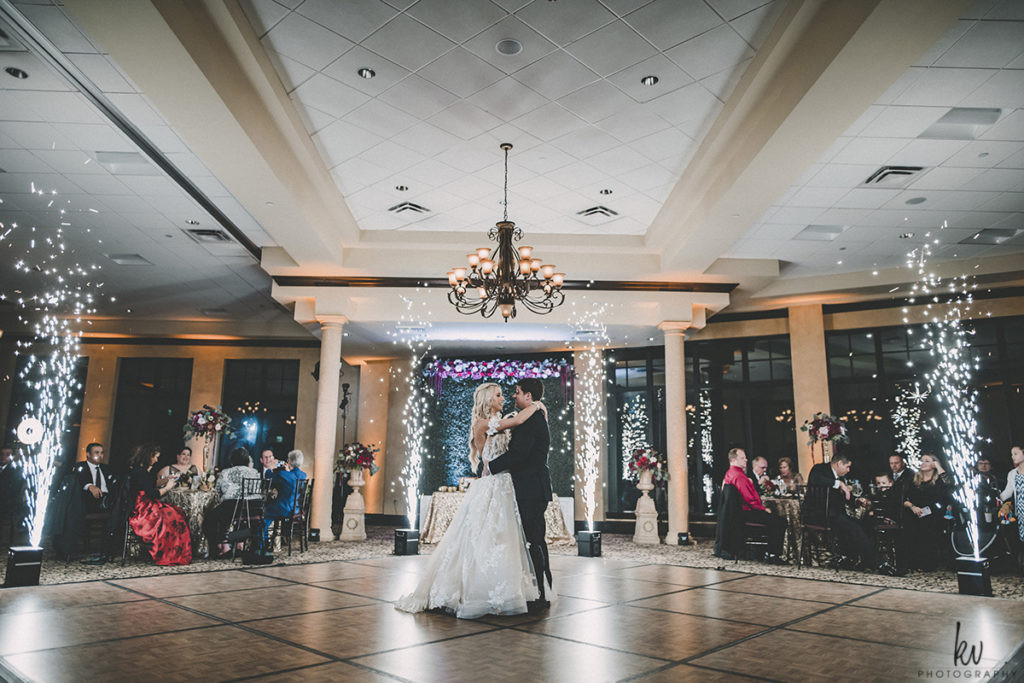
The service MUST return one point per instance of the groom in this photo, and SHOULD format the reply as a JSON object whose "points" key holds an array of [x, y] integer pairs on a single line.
{"points": [[527, 460]]}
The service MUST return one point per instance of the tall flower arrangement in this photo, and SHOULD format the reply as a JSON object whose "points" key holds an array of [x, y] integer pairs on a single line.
{"points": [[823, 427], [357, 456], [647, 459], [207, 423]]}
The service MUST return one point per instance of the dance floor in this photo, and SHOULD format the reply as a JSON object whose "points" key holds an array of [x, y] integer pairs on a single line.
{"points": [[614, 620]]}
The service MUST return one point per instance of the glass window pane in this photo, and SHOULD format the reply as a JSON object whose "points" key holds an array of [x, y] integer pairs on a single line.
{"points": [[733, 372], [782, 368], [837, 344], [760, 371], [864, 365], [893, 339], [758, 351], [620, 374], [862, 343], [839, 367]]}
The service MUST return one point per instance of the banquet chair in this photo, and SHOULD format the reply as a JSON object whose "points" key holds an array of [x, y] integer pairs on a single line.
{"points": [[734, 535], [247, 517], [300, 519], [286, 526], [815, 523]]}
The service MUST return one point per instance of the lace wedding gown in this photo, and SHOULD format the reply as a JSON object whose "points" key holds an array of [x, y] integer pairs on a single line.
{"points": [[481, 565]]}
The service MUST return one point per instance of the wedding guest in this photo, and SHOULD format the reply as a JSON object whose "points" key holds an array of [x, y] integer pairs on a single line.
{"points": [[1015, 488], [752, 509], [269, 464], [230, 489], [759, 468], [788, 475], [181, 471], [161, 525], [927, 498], [853, 540], [94, 479], [985, 473], [286, 485], [902, 476]]}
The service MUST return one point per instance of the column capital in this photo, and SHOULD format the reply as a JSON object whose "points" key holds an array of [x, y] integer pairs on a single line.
{"points": [[331, 320], [674, 326]]}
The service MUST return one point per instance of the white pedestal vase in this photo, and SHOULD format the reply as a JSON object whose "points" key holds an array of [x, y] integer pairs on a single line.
{"points": [[353, 523], [646, 531]]}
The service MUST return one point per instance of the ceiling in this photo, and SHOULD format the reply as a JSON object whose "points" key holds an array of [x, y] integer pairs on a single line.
{"points": [[744, 163]]}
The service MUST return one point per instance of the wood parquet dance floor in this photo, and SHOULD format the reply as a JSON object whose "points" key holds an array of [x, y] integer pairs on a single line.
{"points": [[615, 620]]}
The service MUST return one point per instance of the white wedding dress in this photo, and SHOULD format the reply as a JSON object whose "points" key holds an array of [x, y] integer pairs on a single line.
{"points": [[481, 565]]}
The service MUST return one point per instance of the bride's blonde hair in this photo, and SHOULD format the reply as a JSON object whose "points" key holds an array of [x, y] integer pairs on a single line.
{"points": [[482, 397]]}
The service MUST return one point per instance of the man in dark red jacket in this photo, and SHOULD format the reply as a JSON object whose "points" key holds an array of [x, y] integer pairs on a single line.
{"points": [[753, 509]]}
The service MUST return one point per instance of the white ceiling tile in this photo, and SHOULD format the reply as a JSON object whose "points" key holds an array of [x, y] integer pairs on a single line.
{"points": [[755, 26], [534, 44], [341, 141], [611, 48], [948, 40], [1013, 161], [380, 118], [165, 138], [468, 157], [437, 200], [506, 132], [292, 73], [577, 175], [430, 173], [507, 99], [567, 20], [458, 21], [418, 96], [724, 82], [329, 96], [50, 20], [155, 186], [263, 14], [864, 198], [464, 120], [101, 72], [666, 23], [941, 200], [841, 175], [461, 72], [869, 150], [1006, 201], [538, 189], [555, 75], [67, 161], [96, 137], [709, 53], [35, 135], [987, 44], [425, 139], [354, 19], [863, 120], [305, 41], [668, 144], [137, 109], [689, 103], [902, 122], [817, 196], [942, 87], [1009, 127], [596, 101], [1006, 10], [624, 7], [945, 178], [313, 119], [841, 216], [670, 78], [346, 69], [647, 178], [549, 122], [618, 161], [633, 123], [357, 173], [64, 107], [984, 153], [22, 161], [585, 142], [40, 76], [996, 179], [392, 156], [408, 43], [925, 152], [1005, 89], [472, 188], [543, 159], [776, 232]]}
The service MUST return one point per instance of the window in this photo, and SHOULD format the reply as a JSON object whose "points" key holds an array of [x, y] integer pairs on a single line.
{"points": [[151, 405], [261, 397]]}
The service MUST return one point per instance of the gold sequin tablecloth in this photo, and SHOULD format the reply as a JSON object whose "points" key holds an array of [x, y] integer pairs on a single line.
{"points": [[789, 510], [444, 505], [195, 504]]}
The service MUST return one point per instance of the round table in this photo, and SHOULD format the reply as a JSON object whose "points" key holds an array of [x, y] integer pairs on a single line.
{"points": [[787, 508], [195, 504], [444, 505]]}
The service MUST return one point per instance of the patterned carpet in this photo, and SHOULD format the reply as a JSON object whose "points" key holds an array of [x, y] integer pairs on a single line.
{"points": [[380, 543]]}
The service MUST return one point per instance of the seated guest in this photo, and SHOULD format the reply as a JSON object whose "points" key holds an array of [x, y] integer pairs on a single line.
{"points": [[161, 525], [902, 476], [853, 540], [985, 473], [269, 464], [884, 505], [94, 478], [926, 502], [752, 509], [1015, 488], [788, 475], [230, 489], [759, 469], [286, 485], [181, 471], [13, 505]]}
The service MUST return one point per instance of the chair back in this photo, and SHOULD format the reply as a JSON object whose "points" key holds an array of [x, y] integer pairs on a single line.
{"points": [[814, 509], [299, 500], [729, 532]]}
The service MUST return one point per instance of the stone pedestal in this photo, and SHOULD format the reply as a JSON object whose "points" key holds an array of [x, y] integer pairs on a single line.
{"points": [[646, 531], [353, 521]]}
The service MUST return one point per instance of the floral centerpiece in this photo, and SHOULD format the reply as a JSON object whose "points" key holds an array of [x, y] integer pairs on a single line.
{"points": [[356, 456], [767, 487], [822, 428], [207, 423], [647, 459]]}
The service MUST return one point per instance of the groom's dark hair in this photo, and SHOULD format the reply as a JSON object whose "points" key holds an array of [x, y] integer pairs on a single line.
{"points": [[532, 386]]}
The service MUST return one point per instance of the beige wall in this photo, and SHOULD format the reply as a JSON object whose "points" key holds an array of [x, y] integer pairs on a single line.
{"points": [[374, 395]]}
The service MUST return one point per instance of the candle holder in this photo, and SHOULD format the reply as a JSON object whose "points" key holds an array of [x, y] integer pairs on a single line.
{"points": [[589, 543], [407, 541]]}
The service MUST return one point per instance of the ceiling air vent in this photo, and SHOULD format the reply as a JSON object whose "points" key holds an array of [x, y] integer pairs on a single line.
{"points": [[126, 163], [889, 177], [408, 206], [992, 236], [585, 334], [208, 236], [129, 259], [597, 215], [820, 233]]}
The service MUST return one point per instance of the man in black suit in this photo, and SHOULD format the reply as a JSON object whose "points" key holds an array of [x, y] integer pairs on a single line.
{"points": [[269, 464], [94, 479], [527, 460], [853, 540], [902, 477]]}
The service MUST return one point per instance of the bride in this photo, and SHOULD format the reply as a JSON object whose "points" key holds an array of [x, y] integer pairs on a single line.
{"points": [[481, 565]]}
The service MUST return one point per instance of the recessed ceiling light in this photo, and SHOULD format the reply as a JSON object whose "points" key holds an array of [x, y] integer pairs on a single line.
{"points": [[192, 221], [16, 72], [906, 235], [649, 80], [401, 188], [916, 200], [366, 72], [606, 191], [508, 47]]}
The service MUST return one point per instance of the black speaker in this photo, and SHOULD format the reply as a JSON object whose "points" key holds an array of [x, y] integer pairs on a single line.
{"points": [[974, 577], [314, 535], [23, 566], [407, 541], [684, 538], [589, 543]]}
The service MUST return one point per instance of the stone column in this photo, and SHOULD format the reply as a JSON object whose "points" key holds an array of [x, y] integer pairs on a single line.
{"points": [[207, 388], [810, 373], [326, 421], [675, 424]]}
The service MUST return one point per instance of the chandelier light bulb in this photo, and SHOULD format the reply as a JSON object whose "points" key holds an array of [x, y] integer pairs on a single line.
{"points": [[484, 253], [451, 278], [474, 260], [524, 266], [506, 310], [525, 252], [460, 274], [487, 267], [558, 279], [482, 292], [535, 265], [547, 271]]}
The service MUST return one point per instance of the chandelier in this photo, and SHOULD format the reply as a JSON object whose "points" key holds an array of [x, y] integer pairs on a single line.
{"points": [[498, 279]]}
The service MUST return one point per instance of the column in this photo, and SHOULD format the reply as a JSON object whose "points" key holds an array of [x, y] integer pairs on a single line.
{"points": [[810, 373], [207, 389], [675, 425], [326, 421]]}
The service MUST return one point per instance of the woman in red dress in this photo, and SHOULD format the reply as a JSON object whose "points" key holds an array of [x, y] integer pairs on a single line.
{"points": [[161, 525]]}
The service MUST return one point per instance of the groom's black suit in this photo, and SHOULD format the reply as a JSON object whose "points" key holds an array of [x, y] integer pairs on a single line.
{"points": [[527, 460]]}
